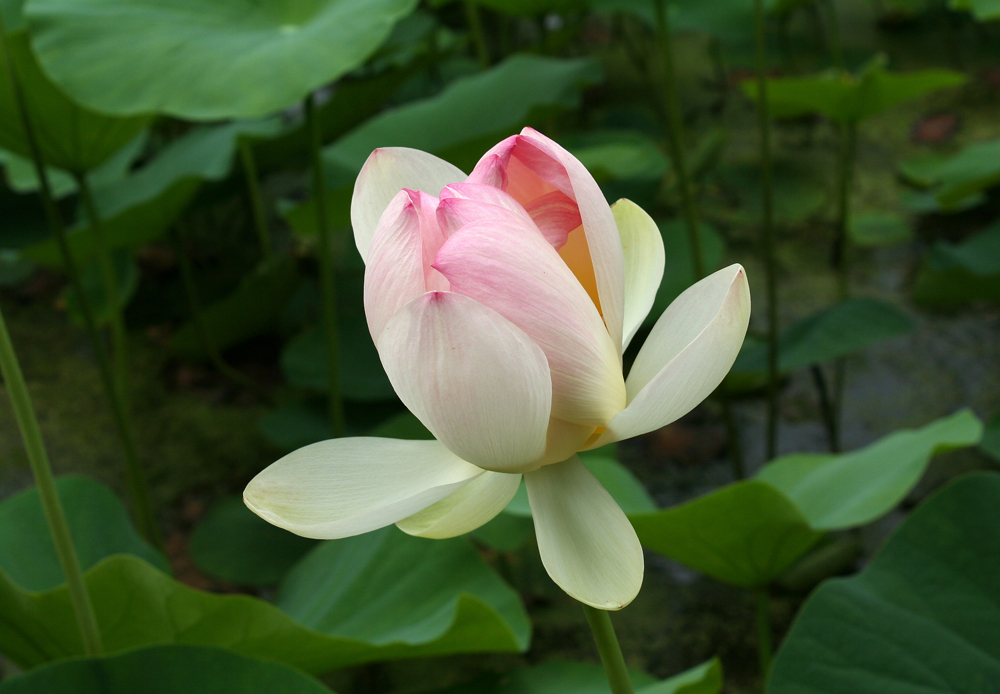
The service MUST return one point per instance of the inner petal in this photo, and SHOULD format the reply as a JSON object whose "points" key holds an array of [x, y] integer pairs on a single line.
{"points": [[431, 237]]}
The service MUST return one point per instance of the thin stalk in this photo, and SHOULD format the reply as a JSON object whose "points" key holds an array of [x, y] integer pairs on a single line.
{"points": [[833, 33], [767, 227], [826, 409], [675, 135], [198, 320], [733, 432], [611, 652], [51, 505], [327, 279], [675, 138], [478, 36], [142, 503], [764, 638], [256, 200], [841, 250], [142, 507]]}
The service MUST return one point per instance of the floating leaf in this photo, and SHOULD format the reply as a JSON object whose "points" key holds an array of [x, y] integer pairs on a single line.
{"points": [[829, 334], [879, 229], [142, 206], [97, 521], [234, 544], [70, 137], [847, 98], [165, 670], [842, 491], [239, 60], [953, 274], [746, 533], [561, 677], [921, 617]]}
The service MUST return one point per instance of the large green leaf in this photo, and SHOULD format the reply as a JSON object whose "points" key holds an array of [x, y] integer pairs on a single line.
{"points": [[472, 113], [561, 677], [843, 491], [991, 439], [165, 670], [829, 334], [234, 544], [922, 617], [305, 364], [142, 206], [380, 596], [204, 60], [98, 524], [71, 137], [953, 274], [847, 98], [746, 533], [619, 154], [982, 10]]}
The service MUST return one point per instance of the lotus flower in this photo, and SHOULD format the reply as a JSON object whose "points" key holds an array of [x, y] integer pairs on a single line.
{"points": [[500, 303]]}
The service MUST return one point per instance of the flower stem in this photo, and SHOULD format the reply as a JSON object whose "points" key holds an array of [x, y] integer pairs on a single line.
{"points": [[327, 278], [144, 514], [256, 200], [51, 505], [689, 206], [767, 227], [611, 652], [478, 36], [139, 494], [833, 33], [764, 639]]}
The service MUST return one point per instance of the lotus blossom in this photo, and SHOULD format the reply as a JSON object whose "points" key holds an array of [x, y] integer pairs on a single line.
{"points": [[500, 304]]}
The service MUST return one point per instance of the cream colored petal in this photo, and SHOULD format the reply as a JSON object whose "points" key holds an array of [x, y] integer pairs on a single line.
{"points": [[350, 486], [465, 509], [587, 544], [642, 247], [386, 172], [687, 354], [477, 381]]}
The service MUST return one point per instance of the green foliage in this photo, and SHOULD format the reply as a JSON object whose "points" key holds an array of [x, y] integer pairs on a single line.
{"points": [[829, 334], [982, 10], [846, 98], [70, 137], [958, 178], [879, 229], [559, 677], [678, 271], [921, 617], [240, 60], [955, 274], [746, 533], [233, 544], [127, 276], [991, 439], [164, 670], [844, 491]]}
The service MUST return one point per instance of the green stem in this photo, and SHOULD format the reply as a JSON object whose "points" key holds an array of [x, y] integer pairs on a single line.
{"points": [[256, 200], [675, 136], [51, 505], [833, 33], [142, 503], [198, 320], [767, 227], [478, 36], [841, 250], [826, 408], [611, 652], [764, 639], [733, 432], [327, 279], [142, 507]]}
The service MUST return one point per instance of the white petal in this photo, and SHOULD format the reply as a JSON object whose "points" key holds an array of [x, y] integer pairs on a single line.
{"points": [[466, 509], [475, 380], [509, 266], [350, 486], [642, 247], [587, 544], [687, 354], [386, 172]]}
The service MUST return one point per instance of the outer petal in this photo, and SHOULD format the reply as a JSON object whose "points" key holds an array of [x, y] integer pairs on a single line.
{"points": [[473, 378], [395, 274], [385, 173], [642, 247], [466, 509], [512, 269], [688, 353], [599, 227], [587, 544], [350, 486]]}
